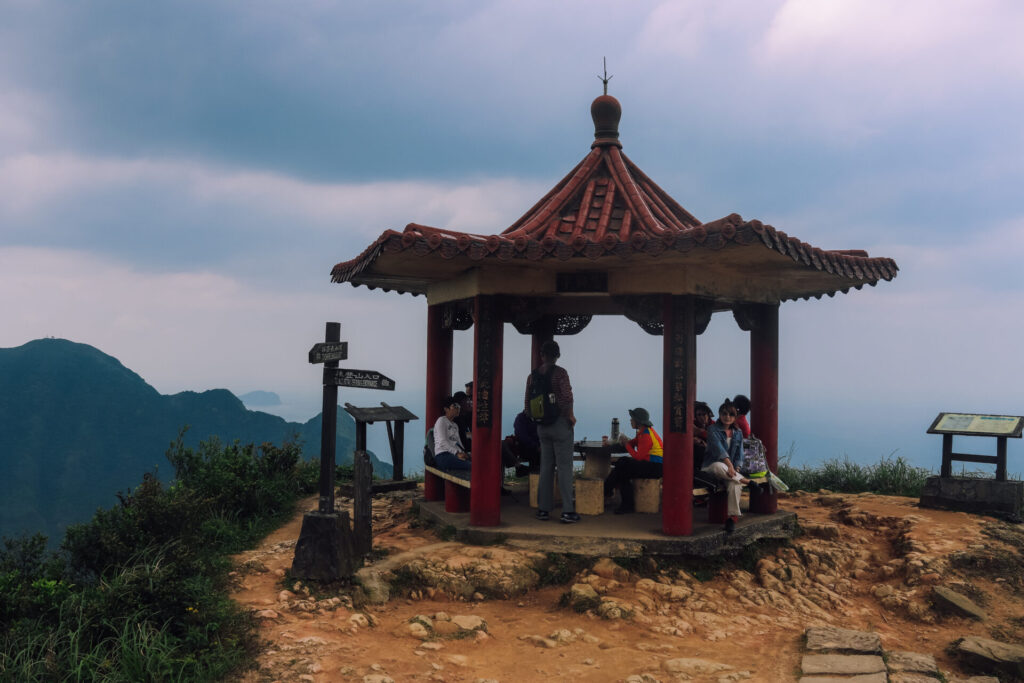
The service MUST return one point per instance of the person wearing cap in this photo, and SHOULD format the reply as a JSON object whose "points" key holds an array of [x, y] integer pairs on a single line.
{"points": [[555, 438], [644, 461]]}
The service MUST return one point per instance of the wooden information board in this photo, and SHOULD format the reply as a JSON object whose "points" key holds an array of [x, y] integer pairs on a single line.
{"points": [[977, 425], [1001, 427]]}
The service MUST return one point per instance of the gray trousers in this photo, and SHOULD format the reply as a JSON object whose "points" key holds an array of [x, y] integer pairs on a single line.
{"points": [[555, 452]]}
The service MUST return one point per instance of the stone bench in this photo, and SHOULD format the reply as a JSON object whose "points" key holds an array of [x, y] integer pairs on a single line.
{"points": [[450, 485]]}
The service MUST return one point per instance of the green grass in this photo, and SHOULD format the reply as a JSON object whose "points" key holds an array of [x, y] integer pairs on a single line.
{"points": [[140, 593], [890, 476]]}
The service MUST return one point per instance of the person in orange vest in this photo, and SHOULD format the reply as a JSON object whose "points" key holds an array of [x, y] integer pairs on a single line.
{"points": [[644, 461]]}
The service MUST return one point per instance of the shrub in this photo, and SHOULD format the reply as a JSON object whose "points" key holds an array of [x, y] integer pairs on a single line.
{"points": [[140, 591]]}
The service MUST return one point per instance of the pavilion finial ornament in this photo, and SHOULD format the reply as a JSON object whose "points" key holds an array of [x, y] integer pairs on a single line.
{"points": [[606, 77]]}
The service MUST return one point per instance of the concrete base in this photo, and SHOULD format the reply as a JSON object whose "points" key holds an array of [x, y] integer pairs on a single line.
{"points": [[590, 496], [608, 534], [983, 496], [535, 482], [326, 549], [647, 494]]}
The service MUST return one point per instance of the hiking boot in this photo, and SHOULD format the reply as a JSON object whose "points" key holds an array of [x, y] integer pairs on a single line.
{"points": [[542, 515], [570, 518]]}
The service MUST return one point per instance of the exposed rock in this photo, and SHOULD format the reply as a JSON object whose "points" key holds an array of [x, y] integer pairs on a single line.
{"points": [[693, 666], [563, 636], [469, 622], [829, 531], [842, 664], [541, 641], [841, 639], [947, 600], [911, 677], [607, 568], [446, 629], [991, 655], [374, 586], [611, 609], [582, 597], [860, 678]]}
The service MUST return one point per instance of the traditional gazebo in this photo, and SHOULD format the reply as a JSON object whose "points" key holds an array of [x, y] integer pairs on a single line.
{"points": [[606, 240]]}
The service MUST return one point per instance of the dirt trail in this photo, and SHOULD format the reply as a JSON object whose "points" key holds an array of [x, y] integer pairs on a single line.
{"points": [[865, 562]]}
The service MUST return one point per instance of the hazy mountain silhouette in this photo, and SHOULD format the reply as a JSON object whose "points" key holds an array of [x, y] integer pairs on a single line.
{"points": [[260, 399], [76, 427]]}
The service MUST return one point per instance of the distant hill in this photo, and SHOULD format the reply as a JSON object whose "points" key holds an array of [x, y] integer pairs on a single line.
{"points": [[260, 399], [76, 427]]}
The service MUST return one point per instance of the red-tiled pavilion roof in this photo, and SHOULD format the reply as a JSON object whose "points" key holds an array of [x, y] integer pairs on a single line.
{"points": [[605, 208]]}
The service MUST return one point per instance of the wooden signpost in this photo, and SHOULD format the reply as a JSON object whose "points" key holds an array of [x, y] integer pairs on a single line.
{"points": [[327, 548], [329, 351], [361, 379]]}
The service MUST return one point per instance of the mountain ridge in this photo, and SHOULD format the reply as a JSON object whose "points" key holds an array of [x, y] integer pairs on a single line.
{"points": [[78, 427]]}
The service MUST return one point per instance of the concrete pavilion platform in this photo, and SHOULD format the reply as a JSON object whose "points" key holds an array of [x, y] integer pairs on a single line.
{"points": [[611, 535]]}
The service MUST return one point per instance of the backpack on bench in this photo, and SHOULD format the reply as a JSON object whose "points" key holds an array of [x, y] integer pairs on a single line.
{"points": [[428, 449]]}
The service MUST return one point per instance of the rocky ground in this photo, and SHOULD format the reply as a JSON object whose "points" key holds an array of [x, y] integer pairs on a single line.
{"points": [[933, 584]]}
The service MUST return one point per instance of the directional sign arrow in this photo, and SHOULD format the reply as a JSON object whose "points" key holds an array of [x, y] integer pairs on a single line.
{"points": [[327, 351], [362, 379]]}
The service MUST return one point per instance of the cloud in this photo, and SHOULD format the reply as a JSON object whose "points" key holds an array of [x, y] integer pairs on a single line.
{"points": [[196, 330], [184, 213], [860, 64]]}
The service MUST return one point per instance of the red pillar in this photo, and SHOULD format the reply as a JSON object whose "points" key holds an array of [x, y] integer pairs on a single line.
{"points": [[485, 494], [764, 391], [679, 391], [439, 365]]}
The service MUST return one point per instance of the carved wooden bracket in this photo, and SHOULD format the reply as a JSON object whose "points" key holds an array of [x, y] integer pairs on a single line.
{"points": [[646, 310], [702, 310], [748, 316], [457, 315]]}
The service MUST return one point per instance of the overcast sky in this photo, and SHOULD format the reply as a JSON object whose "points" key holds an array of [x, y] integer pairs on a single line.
{"points": [[178, 178]]}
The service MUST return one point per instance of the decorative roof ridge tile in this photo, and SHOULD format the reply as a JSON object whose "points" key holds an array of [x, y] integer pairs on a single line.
{"points": [[655, 190], [346, 270], [535, 221]]}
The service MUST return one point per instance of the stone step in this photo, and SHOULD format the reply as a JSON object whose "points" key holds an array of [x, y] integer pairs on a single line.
{"points": [[842, 664]]}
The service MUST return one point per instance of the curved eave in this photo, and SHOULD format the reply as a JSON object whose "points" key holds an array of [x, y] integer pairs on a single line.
{"points": [[411, 261]]}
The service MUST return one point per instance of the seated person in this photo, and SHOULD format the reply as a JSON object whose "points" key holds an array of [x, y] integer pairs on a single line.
{"points": [[528, 441], [449, 453], [464, 419], [724, 456], [644, 461]]}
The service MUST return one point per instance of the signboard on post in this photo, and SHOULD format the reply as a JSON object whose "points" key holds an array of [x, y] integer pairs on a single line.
{"points": [[362, 379], [328, 351], [978, 425]]}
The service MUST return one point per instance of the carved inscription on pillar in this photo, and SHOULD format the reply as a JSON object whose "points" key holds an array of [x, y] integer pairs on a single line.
{"points": [[678, 366], [486, 325]]}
